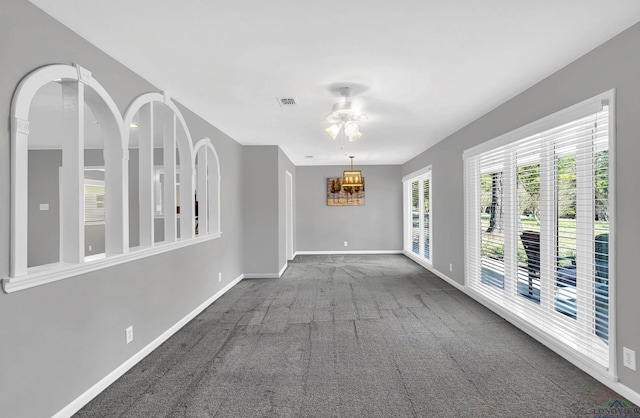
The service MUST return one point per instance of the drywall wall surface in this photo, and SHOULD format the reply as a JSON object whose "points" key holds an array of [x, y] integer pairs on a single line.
{"points": [[44, 208], [261, 210], [375, 226], [60, 339], [613, 65], [94, 236]]}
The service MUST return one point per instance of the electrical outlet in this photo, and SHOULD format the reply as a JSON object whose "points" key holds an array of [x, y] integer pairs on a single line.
{"points": [[90, 247], [346, 244], [450, 266], [220, 276], [129, 333], [629, 358]]}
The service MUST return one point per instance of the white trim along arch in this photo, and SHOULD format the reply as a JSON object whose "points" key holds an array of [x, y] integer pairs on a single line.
{"points": [[175, 135], [80, 88], [208, 186]]}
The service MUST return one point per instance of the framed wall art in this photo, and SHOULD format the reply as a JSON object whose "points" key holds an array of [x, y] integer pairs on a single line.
{"points": [[339, 195]]}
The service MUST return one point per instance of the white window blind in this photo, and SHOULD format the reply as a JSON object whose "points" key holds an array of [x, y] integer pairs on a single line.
{"points": [[94, 209], [537, 229]]}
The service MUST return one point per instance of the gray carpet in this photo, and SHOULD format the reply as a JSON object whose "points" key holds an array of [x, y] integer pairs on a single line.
{"points": [[350, 336]]}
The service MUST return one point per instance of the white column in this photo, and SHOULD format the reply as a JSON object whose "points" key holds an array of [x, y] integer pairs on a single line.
{"points": [[146, 174], [187, 187], [19, 197], [213, 206], [116, 163], [72, 181], [169, 188]]}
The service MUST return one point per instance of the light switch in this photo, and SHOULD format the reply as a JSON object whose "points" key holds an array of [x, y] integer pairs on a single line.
{"points": [[44, 206]]}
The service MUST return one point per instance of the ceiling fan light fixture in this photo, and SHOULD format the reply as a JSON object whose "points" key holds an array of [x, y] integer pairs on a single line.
{"points": [[333, 131], [352, 130], [344, 119], [344, 108], [355, 137]]}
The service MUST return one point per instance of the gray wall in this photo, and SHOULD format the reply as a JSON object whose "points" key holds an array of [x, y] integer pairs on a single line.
{"points": [[261, 196], [94, 236], [44, 225], [615, 64], [264, 209], [61, 338], [134, 204], [375, 226]]}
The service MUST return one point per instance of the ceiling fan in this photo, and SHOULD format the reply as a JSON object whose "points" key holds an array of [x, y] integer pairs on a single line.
{"points": [[344, 118]]}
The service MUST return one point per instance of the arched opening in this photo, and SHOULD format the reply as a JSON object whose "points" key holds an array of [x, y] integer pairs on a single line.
{"points": [[161, 187], [66, 154], [207, 188], [87, 184]]}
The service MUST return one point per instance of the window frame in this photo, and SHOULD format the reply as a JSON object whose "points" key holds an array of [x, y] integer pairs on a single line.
{"points": [[498, 299], [417, 176]]}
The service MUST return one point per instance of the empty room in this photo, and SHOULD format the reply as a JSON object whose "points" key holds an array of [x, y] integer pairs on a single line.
{"points": [[319, 209]]}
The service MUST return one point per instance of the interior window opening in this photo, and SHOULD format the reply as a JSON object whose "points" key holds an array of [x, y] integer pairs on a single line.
{"points": [[73, 161]]}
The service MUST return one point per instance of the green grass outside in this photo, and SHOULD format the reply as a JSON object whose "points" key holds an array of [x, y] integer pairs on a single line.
{"points": [[493, 243]]}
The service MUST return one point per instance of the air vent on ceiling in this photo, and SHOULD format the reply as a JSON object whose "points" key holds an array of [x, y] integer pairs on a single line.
{"points": [[287, 101]]}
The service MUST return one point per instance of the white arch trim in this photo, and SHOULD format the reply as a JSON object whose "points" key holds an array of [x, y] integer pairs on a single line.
{"points": [[206, 144], [187, 184], [163, 98], [105, 106]]}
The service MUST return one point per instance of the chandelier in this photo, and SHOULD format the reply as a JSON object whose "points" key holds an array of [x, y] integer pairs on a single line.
{"points": [[344, 118], [352, 178]]}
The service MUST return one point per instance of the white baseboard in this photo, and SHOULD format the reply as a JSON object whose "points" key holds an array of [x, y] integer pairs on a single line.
{"points": [[262, 275], [605, 379], [267, 275], [599, 374], [93, 391], [283, 269], [433, 270], [348, 252]]}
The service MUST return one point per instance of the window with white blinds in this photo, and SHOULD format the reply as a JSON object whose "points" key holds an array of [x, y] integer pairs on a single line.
{"points": [[537, 224], [417, 188]]}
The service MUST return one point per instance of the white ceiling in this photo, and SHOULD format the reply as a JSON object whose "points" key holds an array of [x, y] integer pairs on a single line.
{"points": [[422, 69]]}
